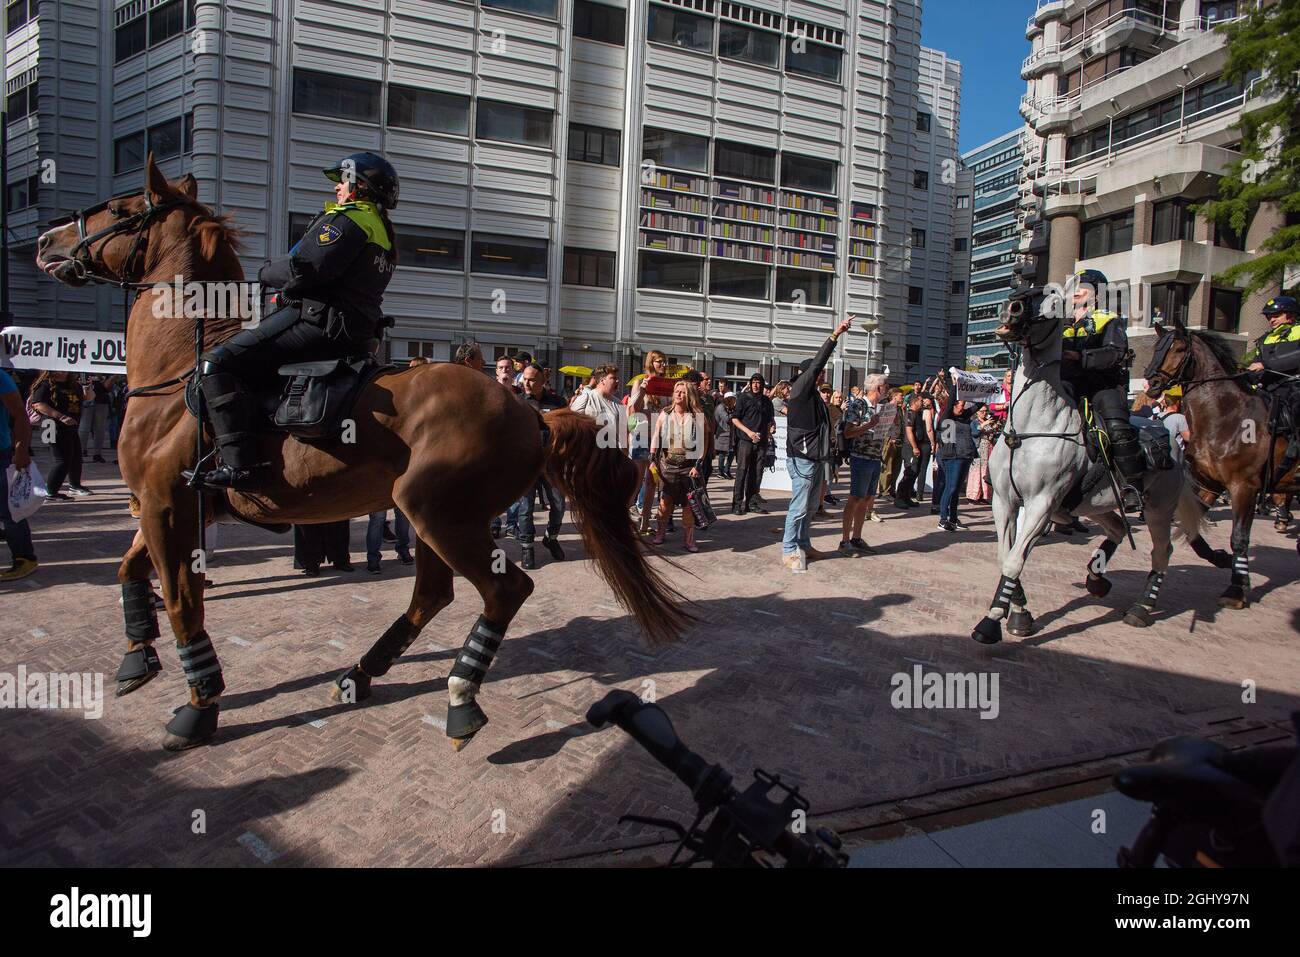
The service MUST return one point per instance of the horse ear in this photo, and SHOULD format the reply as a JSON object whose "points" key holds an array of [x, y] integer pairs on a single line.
{"points": [[155, 182], [188, 186]]}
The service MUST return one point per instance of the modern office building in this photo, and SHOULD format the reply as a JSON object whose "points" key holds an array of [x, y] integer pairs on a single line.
{"points": [[581, 180], [1131, 124], [994, 244]]}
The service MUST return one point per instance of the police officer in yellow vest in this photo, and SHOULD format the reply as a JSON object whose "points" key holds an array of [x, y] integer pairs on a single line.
{"points": [[331, 288], [1277, 352], [1094, 364]]}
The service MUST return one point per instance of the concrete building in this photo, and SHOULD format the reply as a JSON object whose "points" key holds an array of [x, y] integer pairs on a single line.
{"points": [[994, 243], [581, 180], [1130, 124]]}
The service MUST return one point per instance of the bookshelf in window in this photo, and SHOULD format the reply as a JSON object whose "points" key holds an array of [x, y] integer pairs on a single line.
{"points": [[679, 202], [724, 229], [861, 250], [806, 260], [675, 182], [810, 203], [864, 212], [669, 242], [862, 268], [742, 212], [817, 242], [744, 192], [673, 222], [737, 250], [809, 223]]}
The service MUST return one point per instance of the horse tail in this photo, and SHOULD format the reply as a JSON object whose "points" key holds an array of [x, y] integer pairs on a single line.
{"points": [[600, 481], [1190, 513]]}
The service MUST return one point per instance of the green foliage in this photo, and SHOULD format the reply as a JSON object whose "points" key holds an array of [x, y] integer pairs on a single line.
{"points": [[1269, 170]]}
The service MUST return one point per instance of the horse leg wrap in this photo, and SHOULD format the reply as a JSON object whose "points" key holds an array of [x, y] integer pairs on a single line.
{"points": [[1101, 558], [465, 717], [1215, 556], [138, 610], [1154, 581], [391, 645], [1008, 590], [202, 670]]}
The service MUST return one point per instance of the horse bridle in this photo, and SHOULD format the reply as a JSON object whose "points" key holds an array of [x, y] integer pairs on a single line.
{"points": [[1180, 376], [83, 254]]}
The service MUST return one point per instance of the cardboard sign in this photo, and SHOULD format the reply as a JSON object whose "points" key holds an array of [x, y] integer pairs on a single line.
{"points": [[976, 386]]}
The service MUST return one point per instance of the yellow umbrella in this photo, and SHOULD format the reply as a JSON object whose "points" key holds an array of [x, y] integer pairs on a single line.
{"points": [[635, 379], [575, 370]]}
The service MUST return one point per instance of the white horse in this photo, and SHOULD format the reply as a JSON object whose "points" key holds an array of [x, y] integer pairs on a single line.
{"points": [[1036, 470]]}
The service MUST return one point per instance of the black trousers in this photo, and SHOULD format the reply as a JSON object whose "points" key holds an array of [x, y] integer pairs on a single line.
{"points": [[281, 337], [748, 458], [315, 544], [67, 458], [915, 469]]}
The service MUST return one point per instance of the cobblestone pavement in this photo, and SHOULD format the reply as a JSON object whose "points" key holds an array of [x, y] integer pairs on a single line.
{"points": [[790, 673]]}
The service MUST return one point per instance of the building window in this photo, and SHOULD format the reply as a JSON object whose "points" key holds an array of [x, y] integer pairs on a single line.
{"points": [[599, 21], [508, 123], [509, 255], [806, 172], [594, 144], [963, 201], [427, 248], [680, 29], [915, 295], [128, 152], [1114, 234], [812, 59], [913, 353], [338, 97], [744, 162], [1225, 310], [588, 267], [1169, 301], [958, 287], [538, 8], [954, 328], [130, 38], [413, 109], [22, 194], [920, 179], [149, 29], [803, 286], [922, 122], [1229, 238], [734, 370], [21, 102], [298, 223], [1172, 221], [739, 42], [19, 12], [740, 280], [666, 271], [959, 244], [918, 238], [166, 21], [676, 150]]}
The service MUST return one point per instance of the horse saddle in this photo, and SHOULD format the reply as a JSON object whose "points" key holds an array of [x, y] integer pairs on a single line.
{"points": [[309, 400]]}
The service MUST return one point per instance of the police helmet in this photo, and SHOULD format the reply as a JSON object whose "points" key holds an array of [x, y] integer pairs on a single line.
{"points": [[371, 171], [1281, 304]]}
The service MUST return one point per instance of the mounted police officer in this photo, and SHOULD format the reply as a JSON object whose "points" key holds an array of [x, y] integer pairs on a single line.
{"points": [[330, 290], [1094, 363], [1277, 352]]}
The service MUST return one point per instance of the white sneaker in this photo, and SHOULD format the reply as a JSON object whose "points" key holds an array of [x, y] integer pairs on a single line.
{"points": [[796, 561], [874, 517]]}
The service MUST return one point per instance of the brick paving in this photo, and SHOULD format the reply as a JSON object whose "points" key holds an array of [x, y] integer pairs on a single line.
{"points": [[790, 673]]}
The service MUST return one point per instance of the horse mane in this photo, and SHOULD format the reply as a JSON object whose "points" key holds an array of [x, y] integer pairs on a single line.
{"points": [[1222, 353], [210, 229]]}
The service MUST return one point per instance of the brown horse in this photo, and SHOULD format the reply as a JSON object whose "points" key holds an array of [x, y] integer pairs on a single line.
{"points": [[447, 445], [1231, 448]]}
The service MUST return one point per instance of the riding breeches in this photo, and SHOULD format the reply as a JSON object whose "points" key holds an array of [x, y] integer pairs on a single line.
{"points": [[1110, 409]]}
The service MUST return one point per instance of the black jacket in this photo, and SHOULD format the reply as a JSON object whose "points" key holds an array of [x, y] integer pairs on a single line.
{"points": [[343, 263], [807, 419], [1102, 343], [755, 412]]}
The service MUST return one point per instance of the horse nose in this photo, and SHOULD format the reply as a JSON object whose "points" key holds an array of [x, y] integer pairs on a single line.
{"points": [[43, 243]]}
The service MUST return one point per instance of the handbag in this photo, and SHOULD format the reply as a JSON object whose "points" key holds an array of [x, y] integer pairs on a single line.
{"points": [[697, 499]]}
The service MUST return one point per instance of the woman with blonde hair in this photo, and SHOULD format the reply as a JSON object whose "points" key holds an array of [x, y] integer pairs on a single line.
{"points": [[677, 447]]}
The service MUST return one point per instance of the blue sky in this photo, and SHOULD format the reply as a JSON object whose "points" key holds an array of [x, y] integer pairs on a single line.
{"points": [[988, 38]]}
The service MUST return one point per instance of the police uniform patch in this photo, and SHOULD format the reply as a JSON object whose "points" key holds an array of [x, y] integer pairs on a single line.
{"points": [[328, 233]]}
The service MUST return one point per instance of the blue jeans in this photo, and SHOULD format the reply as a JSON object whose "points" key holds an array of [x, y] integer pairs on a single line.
{"points": [[805, 476], [954, 480], [17, 535], [526, 531], [375, 535]]}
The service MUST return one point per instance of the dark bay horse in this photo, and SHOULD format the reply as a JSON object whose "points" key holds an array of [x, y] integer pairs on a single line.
{"points": [[447, 445], [1231, 448]]}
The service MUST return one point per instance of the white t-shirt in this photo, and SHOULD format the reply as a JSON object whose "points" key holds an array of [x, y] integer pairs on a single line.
{"points": [[594, 404]]}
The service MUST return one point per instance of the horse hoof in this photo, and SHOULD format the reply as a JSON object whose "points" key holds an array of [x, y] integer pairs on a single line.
{"points": [[191, 727], [1227, 601], [360, 686], [1139, 616], [987, 632], [1020, 624], [139, 665], [459, 744], [463, 722], [1098, 587]]}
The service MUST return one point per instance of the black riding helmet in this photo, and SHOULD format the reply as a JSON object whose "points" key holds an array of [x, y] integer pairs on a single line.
{"points": [[1281, 304], [371, 171]]}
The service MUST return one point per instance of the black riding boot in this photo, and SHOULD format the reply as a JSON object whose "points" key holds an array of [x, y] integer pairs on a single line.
{"points": [[1126, 453], [232, 427]]}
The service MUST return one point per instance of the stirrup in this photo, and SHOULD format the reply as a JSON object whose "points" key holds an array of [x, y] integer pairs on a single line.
{"points": [[1132, 498], [225, 477]]}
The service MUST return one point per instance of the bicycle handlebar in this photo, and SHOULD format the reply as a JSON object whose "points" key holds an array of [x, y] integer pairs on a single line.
{"points": [[650, 726]]}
